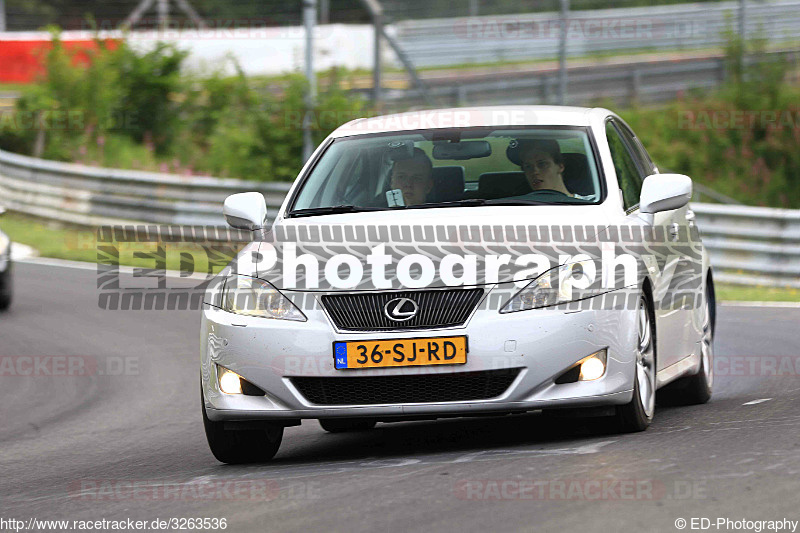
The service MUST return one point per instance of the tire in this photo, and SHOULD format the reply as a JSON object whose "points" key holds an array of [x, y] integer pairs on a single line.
{"points": [[696, 389], [241, 446], [638, 413], [342, 425], [5, 288]]}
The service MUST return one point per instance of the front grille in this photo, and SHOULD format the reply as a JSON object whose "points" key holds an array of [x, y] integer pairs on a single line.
{"points": [[437, 309], [373, 390]]}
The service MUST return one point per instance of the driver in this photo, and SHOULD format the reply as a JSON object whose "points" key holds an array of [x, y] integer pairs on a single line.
{"points": [[543, 165], [413, 176]]}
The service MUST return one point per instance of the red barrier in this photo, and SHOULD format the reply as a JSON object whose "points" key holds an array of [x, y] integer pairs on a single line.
{"points": [[22, 61]]}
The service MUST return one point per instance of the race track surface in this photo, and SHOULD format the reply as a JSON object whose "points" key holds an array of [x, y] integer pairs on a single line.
{"points": [[70, 445]]}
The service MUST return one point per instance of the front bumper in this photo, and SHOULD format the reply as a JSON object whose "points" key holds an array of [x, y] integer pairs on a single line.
{"points": [[542, 343]]}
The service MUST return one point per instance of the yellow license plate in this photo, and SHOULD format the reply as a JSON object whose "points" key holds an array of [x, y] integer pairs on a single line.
{"points": [[400, 352]]}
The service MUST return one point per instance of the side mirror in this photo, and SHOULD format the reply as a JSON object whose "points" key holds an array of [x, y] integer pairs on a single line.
{"points": [[665, 192], [246, 210]]}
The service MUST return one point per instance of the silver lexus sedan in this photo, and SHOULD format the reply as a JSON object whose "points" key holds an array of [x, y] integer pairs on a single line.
{"points": [[459, 262]]}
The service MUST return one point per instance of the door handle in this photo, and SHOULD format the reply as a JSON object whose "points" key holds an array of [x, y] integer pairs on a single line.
{"points": [[674, 230]]}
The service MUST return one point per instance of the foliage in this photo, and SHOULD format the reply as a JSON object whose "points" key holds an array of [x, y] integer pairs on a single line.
{"points": [[88, 95], [136, 109], [122, 107], [741, 141]]}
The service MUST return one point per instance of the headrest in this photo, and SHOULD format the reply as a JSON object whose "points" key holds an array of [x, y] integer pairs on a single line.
{"points": [[577, 178], [493, 185], [448, 183]]}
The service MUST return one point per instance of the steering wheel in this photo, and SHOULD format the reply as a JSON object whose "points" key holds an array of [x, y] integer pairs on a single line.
{"points": [[550, 192]]}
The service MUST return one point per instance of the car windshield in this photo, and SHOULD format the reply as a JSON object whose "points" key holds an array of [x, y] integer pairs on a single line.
{"points": [[442, 168]]}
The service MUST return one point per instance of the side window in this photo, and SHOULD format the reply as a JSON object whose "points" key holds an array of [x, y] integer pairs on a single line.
{"points": [[628, 174], [638, 151]]}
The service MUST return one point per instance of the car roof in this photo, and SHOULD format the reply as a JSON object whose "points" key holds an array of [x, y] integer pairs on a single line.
{"points": [[468, 117]]}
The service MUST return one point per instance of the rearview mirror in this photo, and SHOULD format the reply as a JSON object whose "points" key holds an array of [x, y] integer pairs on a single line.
{"points": [[246, 210], [665, 192], [463, 150]]}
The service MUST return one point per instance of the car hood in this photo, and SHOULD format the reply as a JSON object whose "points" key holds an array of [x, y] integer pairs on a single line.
{"points": [[449, 239]]}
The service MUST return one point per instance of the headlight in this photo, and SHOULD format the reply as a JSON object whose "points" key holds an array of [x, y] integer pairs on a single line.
{"points": [[556, 286], [244, 295]]}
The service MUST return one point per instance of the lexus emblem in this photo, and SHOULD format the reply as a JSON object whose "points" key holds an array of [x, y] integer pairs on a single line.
{"points": [[400, 309]]}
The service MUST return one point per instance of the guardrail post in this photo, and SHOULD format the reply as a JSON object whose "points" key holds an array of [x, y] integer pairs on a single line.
{"points": [[636, 81], [562, 54], [742, 33], [324, 11], [309, 20], [545, 89], [461, 96], [162, 9], [377, 20]]}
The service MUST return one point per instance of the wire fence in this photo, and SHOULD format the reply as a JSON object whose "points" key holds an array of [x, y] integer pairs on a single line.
{"points": [[25, 15], [526, 37]]}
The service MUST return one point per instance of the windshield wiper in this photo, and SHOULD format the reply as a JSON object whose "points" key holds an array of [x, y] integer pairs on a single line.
{"points": [[469, 202], [455, 203], [508, 201], [332, 210], [481, 201]]}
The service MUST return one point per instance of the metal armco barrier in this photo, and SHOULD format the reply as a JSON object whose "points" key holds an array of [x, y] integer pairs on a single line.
{"points": [[751, 245], [622, 80], [92, 196], [748, 245], [533, 36]]}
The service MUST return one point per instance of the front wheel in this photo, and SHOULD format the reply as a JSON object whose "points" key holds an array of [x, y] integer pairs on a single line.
{"points": [[241, 446], [638, 414]]}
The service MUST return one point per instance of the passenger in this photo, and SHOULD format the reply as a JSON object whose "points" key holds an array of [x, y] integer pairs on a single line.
{"points": [[413, 177], [543, 165]]}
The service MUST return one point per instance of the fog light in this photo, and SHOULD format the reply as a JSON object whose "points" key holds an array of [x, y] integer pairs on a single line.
{"points": [[587, 369], [229, 382], [593, 367]]}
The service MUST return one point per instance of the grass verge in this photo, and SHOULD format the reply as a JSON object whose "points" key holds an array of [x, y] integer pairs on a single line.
{"points": [[744, 293], [56, 240]]}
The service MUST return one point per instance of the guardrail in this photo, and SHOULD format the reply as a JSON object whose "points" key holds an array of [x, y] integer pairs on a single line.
{"points": [[751, 245], [645, 81], [93, 196], [534, 36], [748, 245]]}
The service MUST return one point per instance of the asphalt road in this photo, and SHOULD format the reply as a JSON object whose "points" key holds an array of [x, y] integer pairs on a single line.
{"points": [[71, 447]]}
